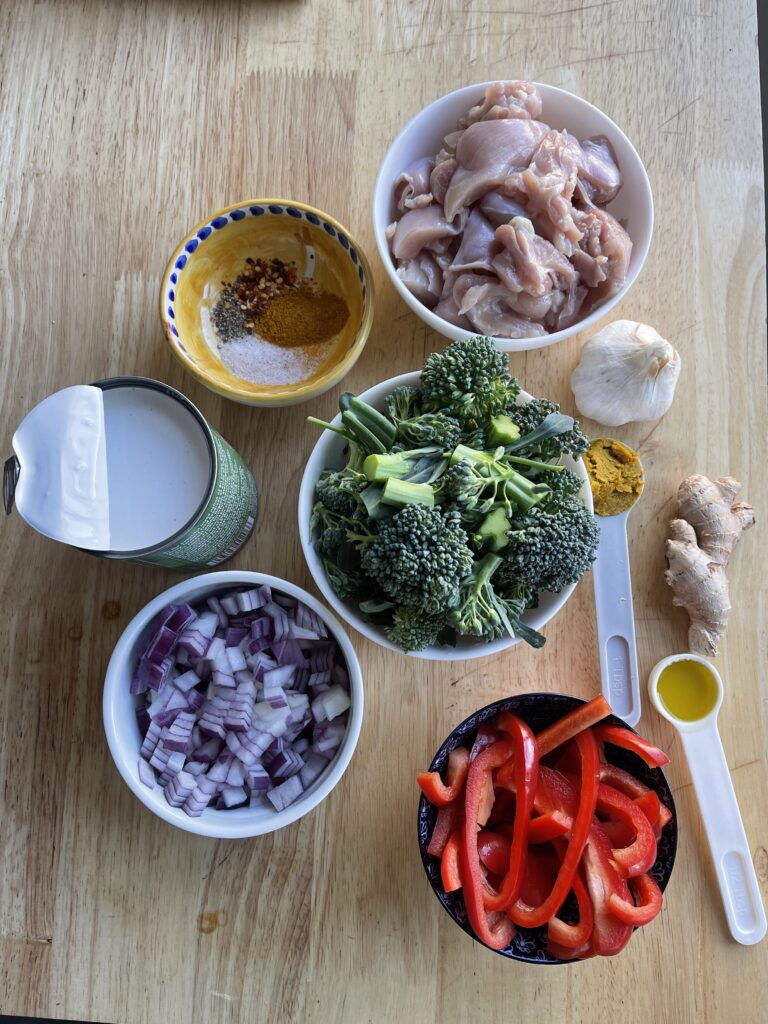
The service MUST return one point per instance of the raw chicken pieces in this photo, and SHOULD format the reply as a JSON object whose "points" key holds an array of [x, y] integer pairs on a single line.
{"points": [[505, 232]]}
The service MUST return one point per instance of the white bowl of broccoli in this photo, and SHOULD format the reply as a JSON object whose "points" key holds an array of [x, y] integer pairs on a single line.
{"points": [[447, 513]]}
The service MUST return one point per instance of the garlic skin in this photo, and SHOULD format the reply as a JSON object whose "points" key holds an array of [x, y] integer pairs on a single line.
{"points": [[627, 372]]}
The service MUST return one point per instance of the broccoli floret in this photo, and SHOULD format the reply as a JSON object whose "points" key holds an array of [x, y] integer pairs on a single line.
{"points": [[403, 403], [337, 491], [413, 630], [345, 583], [550, 549], [559, 435], [481, 480], [416, 465], [470, 381], [485, 613], [430, 428], [418, 558], [564, 486]]}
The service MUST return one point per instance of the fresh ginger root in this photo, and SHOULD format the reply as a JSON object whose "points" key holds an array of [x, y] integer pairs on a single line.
{"points": [[700, 546]]}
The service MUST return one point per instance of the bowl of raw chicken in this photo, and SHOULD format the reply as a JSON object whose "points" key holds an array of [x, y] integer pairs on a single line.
{"points": [[512, 209]]}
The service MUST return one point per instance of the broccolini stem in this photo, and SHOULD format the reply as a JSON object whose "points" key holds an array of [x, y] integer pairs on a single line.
{"points": [[327, 426], [534, 463]]}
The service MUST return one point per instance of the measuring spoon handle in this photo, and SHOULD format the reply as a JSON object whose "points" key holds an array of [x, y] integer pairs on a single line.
{"points": [[725, 832], [616, 620]]}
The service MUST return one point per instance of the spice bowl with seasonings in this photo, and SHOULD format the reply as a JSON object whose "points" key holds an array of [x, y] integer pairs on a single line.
{"points": [[268, 302]]}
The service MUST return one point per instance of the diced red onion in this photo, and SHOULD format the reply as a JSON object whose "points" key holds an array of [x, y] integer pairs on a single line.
{"points": [[225, 717], [285, 794], [146, 774]]}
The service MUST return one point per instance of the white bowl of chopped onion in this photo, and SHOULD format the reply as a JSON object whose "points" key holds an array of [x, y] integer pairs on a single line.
{"points": [[232, 704], [465, 293], [329, 453]]}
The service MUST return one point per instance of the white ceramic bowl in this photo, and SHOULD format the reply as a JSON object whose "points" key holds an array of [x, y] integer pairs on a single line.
{"points": [[329, 452], [423, 136], [123, 733]]}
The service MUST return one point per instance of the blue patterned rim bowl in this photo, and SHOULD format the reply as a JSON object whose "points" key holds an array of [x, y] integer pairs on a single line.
{"points": [[216, 250], [539, 710]]}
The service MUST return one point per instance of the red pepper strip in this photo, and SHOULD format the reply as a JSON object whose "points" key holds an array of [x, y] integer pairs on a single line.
{"points": [[582, 717], [623, 781], [648, 900], [619, 833], [639, 856], [442, 793], [449, 865], [541, 868], [564, 953], [525, 759], [503, 807], [650, 805], [493, 851], [530, 917], [568, 760], [550, 826], [486, 801], [447, 821], [665, 816], [627, 740], [494, 933], [574, 935], [610, 935], [485, 736]]}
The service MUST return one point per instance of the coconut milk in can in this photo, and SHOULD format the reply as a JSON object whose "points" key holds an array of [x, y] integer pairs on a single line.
{"points": [[128, 468]]}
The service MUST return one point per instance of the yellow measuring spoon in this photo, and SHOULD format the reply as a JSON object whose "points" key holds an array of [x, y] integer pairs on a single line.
{"points": [[688, 691]]}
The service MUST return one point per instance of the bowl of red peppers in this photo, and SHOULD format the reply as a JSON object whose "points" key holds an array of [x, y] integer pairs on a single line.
{"points": [[547, 828]]}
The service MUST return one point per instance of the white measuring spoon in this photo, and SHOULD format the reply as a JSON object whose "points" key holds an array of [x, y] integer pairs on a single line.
{"points": [[616, 618], [719, 808]]}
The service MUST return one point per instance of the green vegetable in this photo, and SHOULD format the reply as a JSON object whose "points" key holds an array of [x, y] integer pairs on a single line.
{"points": [[401, 493], [492, 532], [545, 432], [469, 381], [489, 479], [419, 557], [551, 547], [413, 630], [419, 465], [503, 431], [482, 611]]}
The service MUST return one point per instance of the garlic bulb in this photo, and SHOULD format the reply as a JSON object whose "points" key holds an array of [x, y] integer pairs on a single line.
{"points": [[627, 372]]}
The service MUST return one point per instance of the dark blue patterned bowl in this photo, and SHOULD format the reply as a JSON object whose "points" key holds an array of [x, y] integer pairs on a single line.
{"points": [[539, 710]]}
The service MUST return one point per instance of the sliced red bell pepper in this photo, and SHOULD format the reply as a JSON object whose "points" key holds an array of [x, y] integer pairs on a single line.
{"points": [[442, 793], [493, 851], [665, 816], [564, 953], [610, 935], [648, 901], [487, 800], [532, 917], [449, 865], [541, 867], [623, 781], [576, 721], [650, 805], [484, 737], [639, 856], [619, 833], [503, 807], [525, 761], [495, 931], [574, 936], [568, 761], [447, 821], [628, 740], [547, 827]]}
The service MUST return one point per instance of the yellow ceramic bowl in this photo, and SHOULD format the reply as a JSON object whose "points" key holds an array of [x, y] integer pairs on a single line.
{"points": [[216, 250]]}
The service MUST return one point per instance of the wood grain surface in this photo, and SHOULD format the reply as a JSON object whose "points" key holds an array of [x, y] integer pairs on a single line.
{"points": [[122, 124]]}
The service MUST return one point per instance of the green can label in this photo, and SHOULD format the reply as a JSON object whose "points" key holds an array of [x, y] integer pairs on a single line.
{"points": [[225, 523]]}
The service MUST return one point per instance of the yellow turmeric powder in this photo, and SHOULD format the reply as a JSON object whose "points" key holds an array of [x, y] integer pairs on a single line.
{"points": [[616, 475]]}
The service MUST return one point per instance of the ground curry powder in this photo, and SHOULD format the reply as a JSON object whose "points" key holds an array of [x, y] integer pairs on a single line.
{"points": [[302, 316]]}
